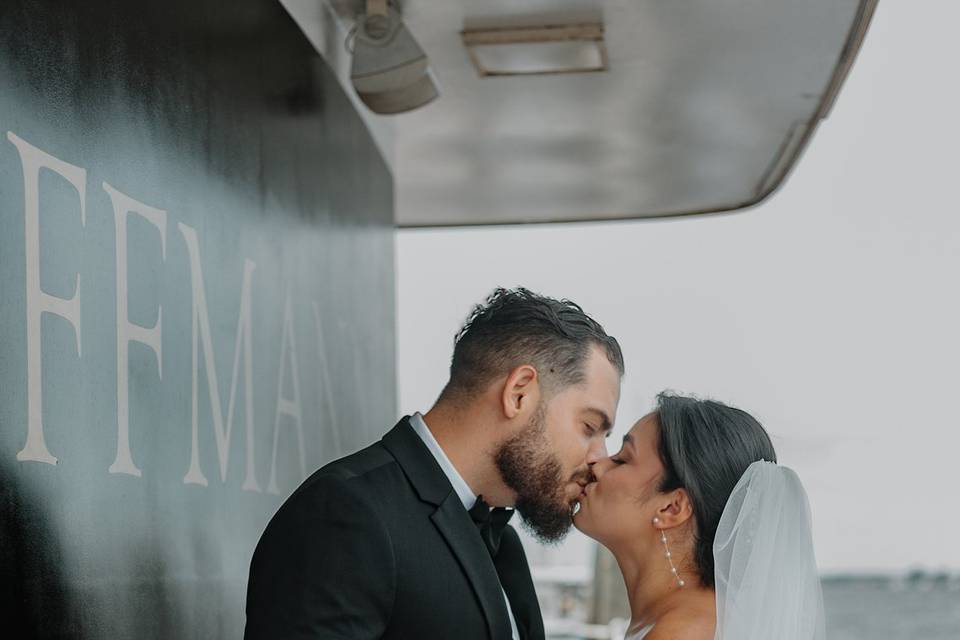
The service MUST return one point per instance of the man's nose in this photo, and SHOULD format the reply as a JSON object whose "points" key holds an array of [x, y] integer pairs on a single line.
{"points": [[597, 451]]}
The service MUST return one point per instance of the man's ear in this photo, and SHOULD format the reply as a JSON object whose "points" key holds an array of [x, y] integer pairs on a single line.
{"points": [[521, 391], [675, 509]]}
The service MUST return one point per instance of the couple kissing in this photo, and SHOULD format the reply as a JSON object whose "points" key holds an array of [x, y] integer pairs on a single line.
{"points": [[410, 537]]}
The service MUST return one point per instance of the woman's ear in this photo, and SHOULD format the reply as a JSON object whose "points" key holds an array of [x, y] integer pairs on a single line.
{"points": [[521, 391], [674, 510]]}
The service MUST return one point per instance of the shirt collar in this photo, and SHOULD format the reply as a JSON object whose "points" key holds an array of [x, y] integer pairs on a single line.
{"points": [[467, 497]]}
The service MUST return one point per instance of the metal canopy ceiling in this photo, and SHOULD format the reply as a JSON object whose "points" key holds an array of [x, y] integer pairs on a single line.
{"points": [[705, 107]]}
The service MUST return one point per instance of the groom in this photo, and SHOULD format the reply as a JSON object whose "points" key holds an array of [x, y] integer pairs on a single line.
{"points": [[399, 539]]}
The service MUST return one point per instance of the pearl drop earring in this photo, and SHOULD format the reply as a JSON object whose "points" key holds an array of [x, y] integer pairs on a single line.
{"points": [[673, 568]]}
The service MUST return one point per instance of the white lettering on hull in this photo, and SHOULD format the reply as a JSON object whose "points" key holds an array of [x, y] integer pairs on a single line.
{"points": [[289, 407], [201, 336], [127, 332], [288, 410], [39, 302]]}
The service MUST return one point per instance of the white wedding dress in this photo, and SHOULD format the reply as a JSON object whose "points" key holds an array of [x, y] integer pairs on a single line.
{"points": [[766, 574]]}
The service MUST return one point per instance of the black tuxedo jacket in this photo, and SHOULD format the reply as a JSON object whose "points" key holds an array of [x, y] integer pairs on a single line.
{"points": [[378, 545]]}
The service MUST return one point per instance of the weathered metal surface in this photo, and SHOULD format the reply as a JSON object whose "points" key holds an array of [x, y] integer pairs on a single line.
{"points": [[194, 167]]}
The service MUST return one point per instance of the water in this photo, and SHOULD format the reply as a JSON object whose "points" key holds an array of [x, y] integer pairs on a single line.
{"points": [[917, 606], [886, 609]]}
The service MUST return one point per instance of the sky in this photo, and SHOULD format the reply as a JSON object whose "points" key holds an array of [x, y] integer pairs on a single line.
{"points": [[830, 312]]}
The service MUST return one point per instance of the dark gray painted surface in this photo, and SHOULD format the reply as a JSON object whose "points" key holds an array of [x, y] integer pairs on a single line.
{"points": [[223, 122]]}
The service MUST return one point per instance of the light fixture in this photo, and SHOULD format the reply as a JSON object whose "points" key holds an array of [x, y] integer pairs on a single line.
{"points": [[537, 50], [389, 71]]}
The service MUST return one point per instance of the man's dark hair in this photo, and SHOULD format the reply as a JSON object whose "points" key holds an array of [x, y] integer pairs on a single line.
{"points": [[516, 326], [705, 447]]}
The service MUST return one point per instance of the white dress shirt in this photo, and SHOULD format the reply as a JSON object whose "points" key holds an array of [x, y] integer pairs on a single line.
{"points": [[467, 497]]}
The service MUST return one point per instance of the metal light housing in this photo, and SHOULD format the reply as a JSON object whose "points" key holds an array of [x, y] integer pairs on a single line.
{"points": [[390, 71]]}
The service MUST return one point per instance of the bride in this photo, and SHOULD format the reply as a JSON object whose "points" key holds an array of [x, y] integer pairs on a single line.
{"points": [[712, 536]]}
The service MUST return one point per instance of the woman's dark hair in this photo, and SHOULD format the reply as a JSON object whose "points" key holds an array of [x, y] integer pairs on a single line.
{"points": [[705, 447], [516, 326]]}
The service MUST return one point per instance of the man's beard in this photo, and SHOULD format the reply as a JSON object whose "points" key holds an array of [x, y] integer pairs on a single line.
{"points": [[536, 475]]}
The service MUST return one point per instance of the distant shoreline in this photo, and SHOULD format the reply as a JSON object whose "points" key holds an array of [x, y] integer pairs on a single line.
{"points": [[909, 575]]}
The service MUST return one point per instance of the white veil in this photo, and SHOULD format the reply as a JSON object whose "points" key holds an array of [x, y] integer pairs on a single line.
{"points": [[766, 573]]}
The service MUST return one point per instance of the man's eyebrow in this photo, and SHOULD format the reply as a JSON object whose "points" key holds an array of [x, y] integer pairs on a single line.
{"points": [[606, 423]]}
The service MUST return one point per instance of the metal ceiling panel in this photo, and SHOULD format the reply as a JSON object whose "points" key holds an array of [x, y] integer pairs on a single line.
{"points": [[705, 106]]}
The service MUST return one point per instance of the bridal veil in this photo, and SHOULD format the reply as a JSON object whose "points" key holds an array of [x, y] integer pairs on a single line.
{"points": [[767, 581]]}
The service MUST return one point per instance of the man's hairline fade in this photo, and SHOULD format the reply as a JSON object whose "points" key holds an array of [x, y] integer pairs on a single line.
{"points": [[548, 383], [556, 328]]}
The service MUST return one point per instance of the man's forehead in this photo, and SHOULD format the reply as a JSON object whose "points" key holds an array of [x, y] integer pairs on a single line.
{"points": [[598, 362], [584, 401], [598, 391], [601, 380], [601, 393]]}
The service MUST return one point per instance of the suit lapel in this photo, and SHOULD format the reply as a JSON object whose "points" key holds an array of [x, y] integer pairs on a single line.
{"points": [[511, 563], [453, 523]]}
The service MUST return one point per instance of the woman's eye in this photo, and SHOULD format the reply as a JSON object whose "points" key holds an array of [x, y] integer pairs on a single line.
{"points": [[616, 460]]}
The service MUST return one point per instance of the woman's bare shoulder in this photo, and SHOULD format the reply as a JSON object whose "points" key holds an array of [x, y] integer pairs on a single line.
{"points": [[684, 624]]}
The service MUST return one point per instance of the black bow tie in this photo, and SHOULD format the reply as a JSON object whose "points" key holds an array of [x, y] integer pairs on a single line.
{"points": [[490, 522]]}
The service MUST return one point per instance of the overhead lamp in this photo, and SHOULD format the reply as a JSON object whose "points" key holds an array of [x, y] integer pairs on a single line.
{"points": [[389, 71], [537, 50]]}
